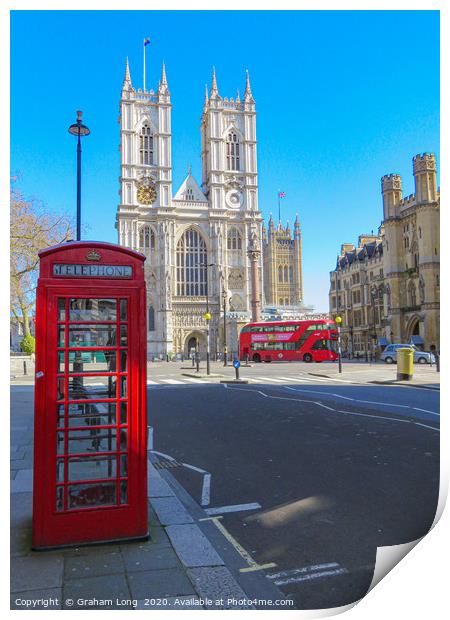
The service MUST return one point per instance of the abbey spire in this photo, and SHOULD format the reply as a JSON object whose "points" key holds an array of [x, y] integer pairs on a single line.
{"points": [[248, 97], [127, 85], [163, 87], [214, 90]]}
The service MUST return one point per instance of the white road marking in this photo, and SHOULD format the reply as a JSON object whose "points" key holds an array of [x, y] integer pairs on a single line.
{"points": [[368, 402], [310, 576], [165, 456], [192, 380], [426, 411], [172, 381], [206, 490], [151, 382], [293, 379], [433, 428], [304, 569], [200, 471], [235, 508], [150, 438], [365, 415], [269, 379]]}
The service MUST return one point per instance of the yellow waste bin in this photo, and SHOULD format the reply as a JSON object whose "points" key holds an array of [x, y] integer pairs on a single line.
{"points": [[405, 364]]}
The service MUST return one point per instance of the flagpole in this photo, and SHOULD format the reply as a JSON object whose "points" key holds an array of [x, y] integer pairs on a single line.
{"points": [[279, 207], [144, 65]]}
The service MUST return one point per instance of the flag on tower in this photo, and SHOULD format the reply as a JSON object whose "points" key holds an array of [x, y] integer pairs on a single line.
{"points": [[146, 42], [281, 194]]}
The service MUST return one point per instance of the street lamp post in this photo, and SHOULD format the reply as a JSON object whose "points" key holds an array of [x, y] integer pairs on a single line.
{"points": [[338, 320], [79, 130], [207, 316], [225, 351], [373, 292]]}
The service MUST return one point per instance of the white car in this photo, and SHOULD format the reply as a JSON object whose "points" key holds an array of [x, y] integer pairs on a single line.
{"points": [[389, 355]]}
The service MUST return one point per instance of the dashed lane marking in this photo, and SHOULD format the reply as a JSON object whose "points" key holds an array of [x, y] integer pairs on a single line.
{"points": [[172, 381]]}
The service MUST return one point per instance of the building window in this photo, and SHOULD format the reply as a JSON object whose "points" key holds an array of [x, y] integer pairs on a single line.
{"points": [[232, 145], [286, 274], [412, 294], [146, 146], [189, 194], [191, 264], [234, 246], [291, 275], [151, 319], [280, 274], [146, 239]]}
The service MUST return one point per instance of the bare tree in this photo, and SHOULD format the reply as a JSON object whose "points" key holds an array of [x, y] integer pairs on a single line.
{"points": [[33, 228]]}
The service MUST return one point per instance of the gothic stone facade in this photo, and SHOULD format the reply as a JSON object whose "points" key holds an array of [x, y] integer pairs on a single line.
{"points": [[282, 261], [202, 244], [387, 289]]}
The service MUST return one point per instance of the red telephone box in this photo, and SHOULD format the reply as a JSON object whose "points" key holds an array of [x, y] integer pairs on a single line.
{"points": [[90, 433]]}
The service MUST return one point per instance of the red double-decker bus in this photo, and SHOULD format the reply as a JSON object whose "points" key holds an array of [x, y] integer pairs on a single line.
{"points": [[288, 341]]}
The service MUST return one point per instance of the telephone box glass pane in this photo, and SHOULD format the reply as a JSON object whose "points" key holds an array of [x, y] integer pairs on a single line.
{"points": [[123, 492], [92, 335], [92, 414], [61, 335], [91, 440], [89, 361], [123, 336], [90, 495], [123, 361], [123, 310], [92, 467], [60, 415], [61, 309], [59, 498], [92, 310], [84, 388], [123, 413]]}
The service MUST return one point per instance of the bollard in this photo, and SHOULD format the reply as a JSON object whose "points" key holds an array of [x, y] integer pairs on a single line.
{"points": [[193, 361], [438, 361], [24, 367], [405, 364], [246, 359], [197, 361], [236, 368]]}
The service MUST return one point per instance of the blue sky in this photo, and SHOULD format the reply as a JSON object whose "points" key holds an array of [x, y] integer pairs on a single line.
{"points": [[342, 97]]}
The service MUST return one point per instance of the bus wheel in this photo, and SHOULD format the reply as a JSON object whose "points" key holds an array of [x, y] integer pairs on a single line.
{"points": [[307, 358], [256, 358]]}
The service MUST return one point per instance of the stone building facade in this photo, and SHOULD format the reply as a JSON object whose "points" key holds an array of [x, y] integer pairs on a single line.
{"points": [[387, 289], [282, 261], [203, 243]]}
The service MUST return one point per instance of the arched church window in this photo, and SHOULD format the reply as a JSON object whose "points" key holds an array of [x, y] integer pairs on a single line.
{"points": [[146, 239], [232, 146], [191, 264], [151, 319], [146, 146], [234, 246], [412, 294], [286, 274], [234, 241], [280, 274], [291, 275]]}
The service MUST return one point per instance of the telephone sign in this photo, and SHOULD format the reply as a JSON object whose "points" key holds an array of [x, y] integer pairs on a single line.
{"points": [[90, 457]]}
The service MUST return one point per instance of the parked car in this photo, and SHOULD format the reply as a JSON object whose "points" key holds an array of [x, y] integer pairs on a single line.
{"points": [[389, 355]]}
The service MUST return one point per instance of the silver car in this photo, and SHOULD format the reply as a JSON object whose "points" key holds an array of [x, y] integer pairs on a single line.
{"points": [[389, 355]]}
